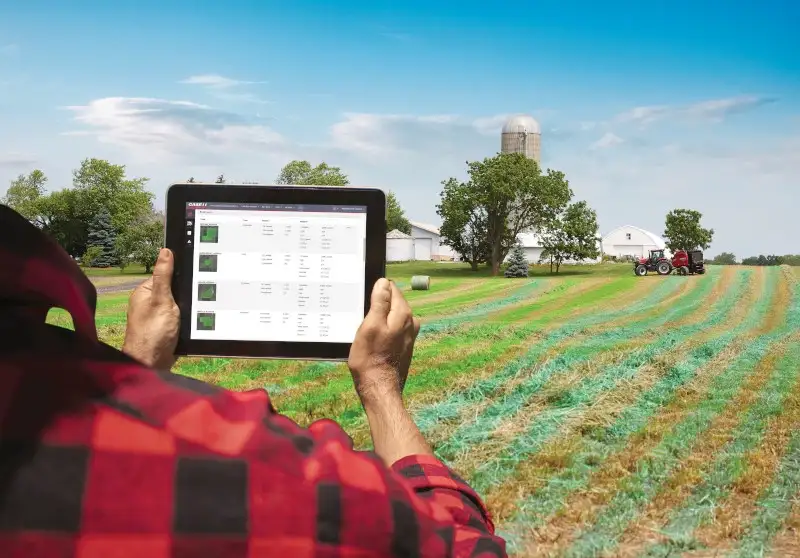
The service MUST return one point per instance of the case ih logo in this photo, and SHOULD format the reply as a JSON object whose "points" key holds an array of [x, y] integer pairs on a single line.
{"points": [[198, 204]]}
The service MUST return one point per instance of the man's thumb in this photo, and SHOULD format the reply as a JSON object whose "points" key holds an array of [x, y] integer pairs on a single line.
{"points": [[381, 300], [162, 277]]}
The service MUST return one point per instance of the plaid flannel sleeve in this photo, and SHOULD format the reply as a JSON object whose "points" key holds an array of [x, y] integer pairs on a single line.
{"points": [[419, 507]]}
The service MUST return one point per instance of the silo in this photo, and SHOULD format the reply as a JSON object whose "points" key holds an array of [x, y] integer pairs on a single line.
{"points": [[521, 134]]}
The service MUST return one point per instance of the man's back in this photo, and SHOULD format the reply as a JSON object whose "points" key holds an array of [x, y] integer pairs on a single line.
{"points": [[101, 456]]}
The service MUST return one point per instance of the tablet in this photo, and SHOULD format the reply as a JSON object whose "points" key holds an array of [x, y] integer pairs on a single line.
{"points": [[274, 271]]}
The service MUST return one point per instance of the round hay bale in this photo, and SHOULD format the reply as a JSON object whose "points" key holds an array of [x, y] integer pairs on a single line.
{"points": [[420, 283]]}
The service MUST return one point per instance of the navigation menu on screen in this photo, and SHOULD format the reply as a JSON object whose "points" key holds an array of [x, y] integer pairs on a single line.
{"points": [[276, 272]]}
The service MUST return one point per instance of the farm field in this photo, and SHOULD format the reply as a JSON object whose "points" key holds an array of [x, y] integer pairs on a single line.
{"points": [[596, 412]]}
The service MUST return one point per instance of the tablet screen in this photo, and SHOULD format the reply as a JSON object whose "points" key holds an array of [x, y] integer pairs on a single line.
{"points": [[276, 272]]}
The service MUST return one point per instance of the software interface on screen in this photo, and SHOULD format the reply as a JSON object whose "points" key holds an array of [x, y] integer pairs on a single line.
{"points": [[276, 272]]}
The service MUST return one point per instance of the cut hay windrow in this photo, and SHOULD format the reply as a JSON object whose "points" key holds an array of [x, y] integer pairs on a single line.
{"points": [[581, 299], [601, 443], [638, 488], [571, 401], [460, 303], [774, 505], [699, 507], [431, 415]]}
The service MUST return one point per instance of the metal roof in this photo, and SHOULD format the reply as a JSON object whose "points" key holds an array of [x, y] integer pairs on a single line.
{"points": [[397, 234]]}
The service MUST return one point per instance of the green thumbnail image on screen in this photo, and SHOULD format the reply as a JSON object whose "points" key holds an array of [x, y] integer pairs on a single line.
{"points": [[209, 233], [208, 262], [207, 292], [206, 321]]}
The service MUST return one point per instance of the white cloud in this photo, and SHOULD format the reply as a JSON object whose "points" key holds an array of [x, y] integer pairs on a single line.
{"points": [[217, 81], [13, 159], [392, 134], [155, 129], [712, 110], [609, 139]]}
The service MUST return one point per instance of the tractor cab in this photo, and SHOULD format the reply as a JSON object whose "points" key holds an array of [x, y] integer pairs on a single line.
{"points": [[654, 256]]}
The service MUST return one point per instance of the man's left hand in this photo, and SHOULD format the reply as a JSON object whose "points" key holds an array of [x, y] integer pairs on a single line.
{"points": [[154, 318]]}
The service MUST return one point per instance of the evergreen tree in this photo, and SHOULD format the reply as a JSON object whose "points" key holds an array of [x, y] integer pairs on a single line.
{"points": [[517, 264], [103, 236]]}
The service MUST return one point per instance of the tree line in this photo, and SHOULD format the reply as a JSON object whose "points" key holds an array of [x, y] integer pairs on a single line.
{"points": [[107, 219], [728, 258]]}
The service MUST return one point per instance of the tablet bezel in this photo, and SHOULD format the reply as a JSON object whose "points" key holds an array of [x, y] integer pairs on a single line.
{"points": [[179, 194]]}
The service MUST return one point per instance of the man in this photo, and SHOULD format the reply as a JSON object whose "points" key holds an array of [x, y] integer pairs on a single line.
{"points": [[105, 453]]}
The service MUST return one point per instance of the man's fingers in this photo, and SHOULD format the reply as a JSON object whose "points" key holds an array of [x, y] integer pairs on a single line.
{"points": [[381, 300], [162, 277], [416, 327], [400, 310]]}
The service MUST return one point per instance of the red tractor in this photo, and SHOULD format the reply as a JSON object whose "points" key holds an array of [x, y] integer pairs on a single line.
{"points": [[683, 261]]}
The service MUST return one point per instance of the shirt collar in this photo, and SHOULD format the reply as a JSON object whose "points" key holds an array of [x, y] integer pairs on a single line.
{"points": [[37, 274]]}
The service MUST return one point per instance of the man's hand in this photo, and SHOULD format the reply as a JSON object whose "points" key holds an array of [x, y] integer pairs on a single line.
{"points": [[154, 318], [381, 352], [379, 361]]}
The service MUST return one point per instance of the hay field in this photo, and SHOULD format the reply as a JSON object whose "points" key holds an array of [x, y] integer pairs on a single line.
{"points": [[598, 414]]}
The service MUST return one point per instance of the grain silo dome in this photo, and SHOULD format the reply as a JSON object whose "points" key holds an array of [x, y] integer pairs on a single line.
{"points": [[521, 122], [521, 134]]}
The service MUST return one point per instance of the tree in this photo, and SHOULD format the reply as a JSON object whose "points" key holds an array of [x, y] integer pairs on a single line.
{"points": [[517, 264], [463, 222], [101, 239], [515, 196], [683, 231], [141, 244], [725, 258], [395, 216], [301, 173], [571, 235], [220, 179], [24, 193]]}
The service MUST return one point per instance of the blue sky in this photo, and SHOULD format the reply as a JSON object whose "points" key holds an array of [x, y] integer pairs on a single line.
{"points": [[645, 106]]}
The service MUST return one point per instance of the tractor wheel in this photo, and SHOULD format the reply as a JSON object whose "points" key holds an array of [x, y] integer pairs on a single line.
{"points": [[664, 268], [684, 270], [640, 270]]}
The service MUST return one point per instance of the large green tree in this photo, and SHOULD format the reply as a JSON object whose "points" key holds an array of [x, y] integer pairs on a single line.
{"points": [[395, 216], [683, 231], [24, 193], [142, 242], [571, 235], [515, 196], [301, 173], [463, 222], [725, 258]]}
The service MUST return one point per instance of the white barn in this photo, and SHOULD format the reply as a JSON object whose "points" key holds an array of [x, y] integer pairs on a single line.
{"points": [[428, 243], [399, 247], [533, 249], [628, 240]]}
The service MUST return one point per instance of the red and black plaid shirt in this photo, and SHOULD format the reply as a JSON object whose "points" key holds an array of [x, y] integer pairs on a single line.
{"points": [[102, 457]]}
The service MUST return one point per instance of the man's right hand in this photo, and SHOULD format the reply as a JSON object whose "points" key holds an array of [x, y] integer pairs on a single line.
{"points": [[381, 352]]}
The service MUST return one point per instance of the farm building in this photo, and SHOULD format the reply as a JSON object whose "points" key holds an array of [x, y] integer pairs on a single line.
{"points": [[428, 243], [631, 241], [399, 247], [533, 249]]}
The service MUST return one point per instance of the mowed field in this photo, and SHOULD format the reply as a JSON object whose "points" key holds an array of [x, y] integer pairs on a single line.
{"points": [[597, 413]]}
